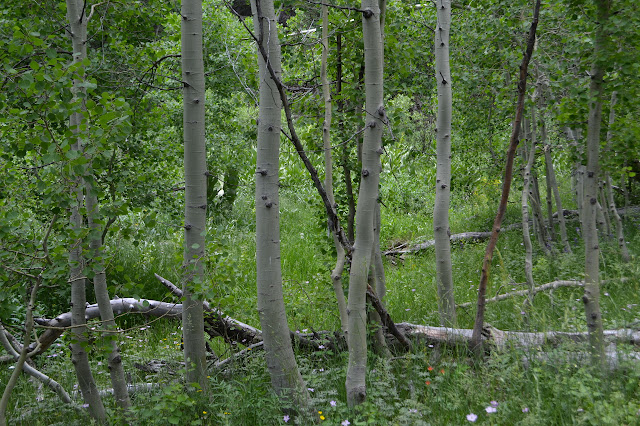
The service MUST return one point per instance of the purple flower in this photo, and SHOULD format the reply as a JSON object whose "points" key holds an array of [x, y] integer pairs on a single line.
{"points": [[311, 389], [525, 410], [413, 410], [286, 419], [333, 403], [490, 409], [345, 423], [85, 405], [494, 403], [472, 417], [321, 347]]}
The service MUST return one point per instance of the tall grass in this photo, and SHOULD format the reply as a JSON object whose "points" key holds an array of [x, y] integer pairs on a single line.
{"points": [[430, 385]]}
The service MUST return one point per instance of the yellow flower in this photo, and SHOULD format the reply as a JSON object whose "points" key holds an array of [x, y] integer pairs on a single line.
{"points": [[204, 412], [319, 412], [321, 417]]}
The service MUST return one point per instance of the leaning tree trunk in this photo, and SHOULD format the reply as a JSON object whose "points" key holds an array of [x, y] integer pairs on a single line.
{"points": [[591, 296], [336, 273], [441, 231], [367, 199], [195, 194], [476, 338], [281, 363], [77, 16], [116, 369]]}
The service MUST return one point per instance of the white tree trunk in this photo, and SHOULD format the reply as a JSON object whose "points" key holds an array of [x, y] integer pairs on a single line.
{"points": [[195, 194], [281, 363], [591, 296], [528, 260], [441, 231], [368, 195]]}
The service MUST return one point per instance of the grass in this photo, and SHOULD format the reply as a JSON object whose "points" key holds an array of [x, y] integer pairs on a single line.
{"points": [[430, 385]]}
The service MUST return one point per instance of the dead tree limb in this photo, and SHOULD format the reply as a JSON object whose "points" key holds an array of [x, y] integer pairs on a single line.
{"points": [[386, 318], [544, 287]]}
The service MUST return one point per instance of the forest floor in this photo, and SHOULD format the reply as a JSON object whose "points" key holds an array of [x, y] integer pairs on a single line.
{"points": [[432, 384]]}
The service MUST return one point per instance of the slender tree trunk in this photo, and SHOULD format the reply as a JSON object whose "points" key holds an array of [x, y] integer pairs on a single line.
{"points": [[528, 260], [534, 192], [554, 186], [624, 251], [441, 231], [336, 274], [195, 194], [78, 19], [476, 338], [116, 369], [367, 199], [281, 363], [591, 296]]}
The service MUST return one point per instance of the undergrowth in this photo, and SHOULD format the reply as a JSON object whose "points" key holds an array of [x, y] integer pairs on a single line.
{"points": [[430, 385]]}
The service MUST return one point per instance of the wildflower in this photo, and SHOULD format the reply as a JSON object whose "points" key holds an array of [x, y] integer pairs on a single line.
{"points": [[310, 389], [430, 368], [286, 418], [204, 412], [408, 309], [525, 410], [248, 349], [442, 371], [494, 403], [333, 403], [490, 409], [345, 423], [472, 417], [321, 417], [319, 412], [428, 382], [413, 289], [321, 370], [85, 405], [321, 347], [413, 410]]}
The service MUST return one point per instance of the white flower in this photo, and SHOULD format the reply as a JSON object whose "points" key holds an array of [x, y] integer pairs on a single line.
{"points": [[472, 417], [491, 409], [345, 423]]}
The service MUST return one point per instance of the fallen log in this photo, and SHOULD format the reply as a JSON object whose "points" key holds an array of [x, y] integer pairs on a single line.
{"points": [[523, 340], [56, 326]]}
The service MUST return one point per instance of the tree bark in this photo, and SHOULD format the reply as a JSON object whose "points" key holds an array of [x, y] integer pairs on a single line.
{"points": [[528, 259], [336, 273], [476, 339], [591, 296], [441, 230], [281, 363], [195, 194], [78, 19], [367, 199]]}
